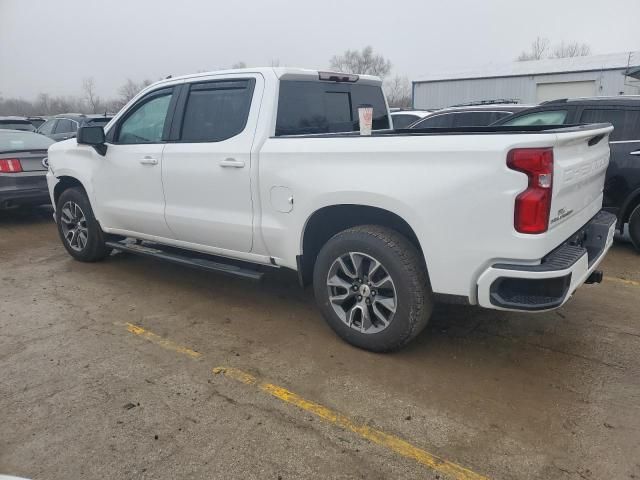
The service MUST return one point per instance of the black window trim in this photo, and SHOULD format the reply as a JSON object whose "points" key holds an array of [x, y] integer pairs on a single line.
{"points": [[175, 132], [114, 132]]}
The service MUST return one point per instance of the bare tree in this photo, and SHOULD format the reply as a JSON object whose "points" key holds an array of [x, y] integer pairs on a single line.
{"points": [[239, 65], [129, 90], [540, 49], [571, 49], [398, 91], [87, 102], [43, 104], [537, 51], [88, 88], [363, 62]]}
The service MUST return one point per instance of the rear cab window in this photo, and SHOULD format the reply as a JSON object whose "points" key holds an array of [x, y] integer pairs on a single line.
{"points": [[314, 107]]}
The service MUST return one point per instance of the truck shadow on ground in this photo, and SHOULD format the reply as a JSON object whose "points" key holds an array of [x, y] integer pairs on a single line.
{"points": [[278, 311], [26, 215]]}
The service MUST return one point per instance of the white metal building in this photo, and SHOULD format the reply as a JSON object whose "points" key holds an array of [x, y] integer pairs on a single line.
{"points": [[533, 81]]}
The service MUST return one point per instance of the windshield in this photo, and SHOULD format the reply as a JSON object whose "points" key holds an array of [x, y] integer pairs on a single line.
{"points": [[11, 141], [16, 125]]}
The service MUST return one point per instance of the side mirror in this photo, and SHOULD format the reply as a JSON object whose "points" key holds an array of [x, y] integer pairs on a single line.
{"points": [[93, 136]]}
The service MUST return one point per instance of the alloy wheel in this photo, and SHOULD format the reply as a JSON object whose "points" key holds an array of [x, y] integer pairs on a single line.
{"points": [[74, 226], [362, 292]]}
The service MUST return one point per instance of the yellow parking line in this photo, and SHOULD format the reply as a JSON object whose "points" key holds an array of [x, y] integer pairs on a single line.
{"points": [[396, 444], [163, 342], [623, 280]]}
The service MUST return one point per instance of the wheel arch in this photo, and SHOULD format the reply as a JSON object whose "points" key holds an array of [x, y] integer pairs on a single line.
{"points": [[325, 222], [630, 203], [64, 183]]}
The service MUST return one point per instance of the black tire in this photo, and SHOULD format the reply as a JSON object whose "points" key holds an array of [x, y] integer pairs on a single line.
{"points": [[403, 263], [634, 227], [94, 248]]}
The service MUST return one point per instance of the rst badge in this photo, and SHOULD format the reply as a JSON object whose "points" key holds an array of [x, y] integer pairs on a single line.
{"points": [[562, 213]]}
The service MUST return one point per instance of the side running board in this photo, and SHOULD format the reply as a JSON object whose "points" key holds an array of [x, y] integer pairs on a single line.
{"points": [[186, 258]]}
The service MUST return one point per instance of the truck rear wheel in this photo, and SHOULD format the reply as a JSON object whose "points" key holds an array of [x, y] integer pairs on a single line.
{"points": [[79, 230], [634, 227], [372, 287]]}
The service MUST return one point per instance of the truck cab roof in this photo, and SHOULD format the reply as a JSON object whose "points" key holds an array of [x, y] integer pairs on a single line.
{"points": [[281, 73]]}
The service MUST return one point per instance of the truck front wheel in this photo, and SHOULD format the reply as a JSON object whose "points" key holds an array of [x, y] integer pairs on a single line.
{"points": [[372, 288], [79, 230]]}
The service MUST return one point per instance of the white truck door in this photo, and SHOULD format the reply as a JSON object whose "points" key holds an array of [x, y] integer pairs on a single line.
{"points": [[206, 168], [127, 181]]}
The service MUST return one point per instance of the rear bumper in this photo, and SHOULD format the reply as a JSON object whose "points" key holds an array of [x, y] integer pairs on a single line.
{"points": [[550, 283], [23, 189]]}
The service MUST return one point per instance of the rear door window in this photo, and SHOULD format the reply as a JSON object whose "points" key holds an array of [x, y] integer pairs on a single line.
{"points": [[47, 127], [307, 107], [216, 111], [626, 122], [65, 126], [548, 117]]}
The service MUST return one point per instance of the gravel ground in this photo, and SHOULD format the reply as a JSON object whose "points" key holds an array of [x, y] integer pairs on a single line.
{"points": [[549, 396]]}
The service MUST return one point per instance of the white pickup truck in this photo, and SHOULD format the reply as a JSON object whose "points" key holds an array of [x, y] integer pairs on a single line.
{"points": [[240, 171]]}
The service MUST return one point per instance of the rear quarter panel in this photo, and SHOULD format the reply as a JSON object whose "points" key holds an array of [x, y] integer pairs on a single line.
{"points": [[455, 191]]}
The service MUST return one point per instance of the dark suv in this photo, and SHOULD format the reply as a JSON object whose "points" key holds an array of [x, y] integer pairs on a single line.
{"points": [[468, 115], [64, 126], [622, 185]]}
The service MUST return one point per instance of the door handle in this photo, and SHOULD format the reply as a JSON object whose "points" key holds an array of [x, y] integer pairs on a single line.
{"points": [[232, 163], [637, 152], [149, 161]]}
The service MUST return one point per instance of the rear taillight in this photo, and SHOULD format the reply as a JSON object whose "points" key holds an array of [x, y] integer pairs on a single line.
{"points": [[10, 165], [534, 204]]}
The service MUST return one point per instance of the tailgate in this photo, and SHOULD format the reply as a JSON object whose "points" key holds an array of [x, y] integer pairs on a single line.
{"points": [[580, 163]]}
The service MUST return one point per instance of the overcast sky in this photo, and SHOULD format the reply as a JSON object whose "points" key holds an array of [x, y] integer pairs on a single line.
{"points": [[50, 46]]}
